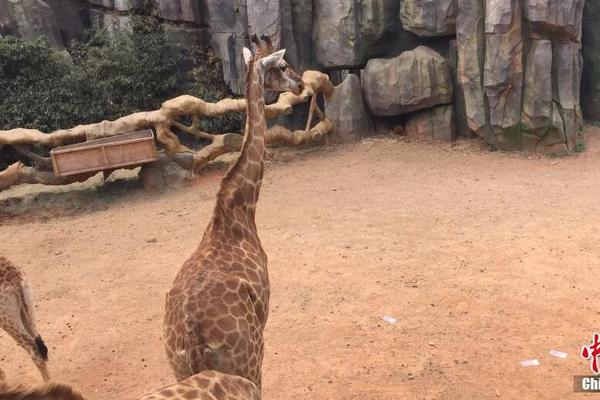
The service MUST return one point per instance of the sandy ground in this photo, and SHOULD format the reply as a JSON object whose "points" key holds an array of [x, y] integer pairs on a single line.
{"points": [[484, 258]]}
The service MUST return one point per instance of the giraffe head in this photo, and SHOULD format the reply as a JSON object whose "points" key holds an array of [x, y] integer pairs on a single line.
{"points": [[278, 75]]}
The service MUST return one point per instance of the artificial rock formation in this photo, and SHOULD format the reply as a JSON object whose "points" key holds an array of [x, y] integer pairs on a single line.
{"points": [[501, 49], [434, 124], [429, 17], [347, 111], [590, 85], [413, 81], [521, 82]]}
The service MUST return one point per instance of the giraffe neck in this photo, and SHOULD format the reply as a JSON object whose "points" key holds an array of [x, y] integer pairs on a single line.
{"points": [[241, 186]]}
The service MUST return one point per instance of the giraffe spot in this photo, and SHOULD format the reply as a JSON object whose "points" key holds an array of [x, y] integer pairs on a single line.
{"points": [[230, 298], [211, 313], [216, 334], [190, 395], [226, 323], [203, 382], [218, 391], [167, 393], [233, 338], [242, 325], [237, 310], [217, 290]]}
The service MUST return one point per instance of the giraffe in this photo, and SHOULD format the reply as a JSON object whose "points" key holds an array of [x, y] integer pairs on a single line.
{"points": [[207, 385], [16, 315], [217, 307]]}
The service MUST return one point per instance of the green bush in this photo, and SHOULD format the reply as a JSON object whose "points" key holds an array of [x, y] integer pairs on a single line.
{"points": [[106, 77]]}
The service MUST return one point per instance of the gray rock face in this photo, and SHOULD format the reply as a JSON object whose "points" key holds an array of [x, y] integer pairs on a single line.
{"points": [[297, 33], [517, 62], [503, 70], [179, 10], [344, 30], [433, 124], [264, 17], [590, 88], [471, 45], [537, 102], [346, 109], [460, 112], [31, 19], [562, 17], [414, 80], [112, 22], [529, 74], [429, 17], [228, 23], [120, 5], [103, 3]]}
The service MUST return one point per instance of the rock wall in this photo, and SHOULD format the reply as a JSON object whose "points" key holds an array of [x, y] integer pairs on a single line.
{"points": [[510, 68], [519, 68]]}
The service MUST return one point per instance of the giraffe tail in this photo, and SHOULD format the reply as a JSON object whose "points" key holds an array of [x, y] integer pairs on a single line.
{"points": [[28, 320], [41, 347]]}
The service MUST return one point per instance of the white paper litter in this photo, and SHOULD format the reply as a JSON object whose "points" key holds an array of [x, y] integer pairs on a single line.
{"points": [[530, 363], [558, 354], [389, 319]]}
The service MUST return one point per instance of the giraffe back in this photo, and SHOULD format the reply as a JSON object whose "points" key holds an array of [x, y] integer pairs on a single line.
{"points": [[208, 385]]}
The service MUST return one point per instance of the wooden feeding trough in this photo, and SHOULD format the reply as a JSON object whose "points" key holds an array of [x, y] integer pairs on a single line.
{"points": [[108, 153]]}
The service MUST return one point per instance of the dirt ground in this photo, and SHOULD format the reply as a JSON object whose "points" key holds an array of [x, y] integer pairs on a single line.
{"points": [[484, 258]]}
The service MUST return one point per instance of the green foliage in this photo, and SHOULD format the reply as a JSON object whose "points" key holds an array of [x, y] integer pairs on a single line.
{"points": [[108, 76], [132, 71], [207, 84]]}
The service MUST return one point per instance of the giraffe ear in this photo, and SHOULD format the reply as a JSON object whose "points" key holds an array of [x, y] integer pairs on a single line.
{"points": [[247, 55], [273, 59]]}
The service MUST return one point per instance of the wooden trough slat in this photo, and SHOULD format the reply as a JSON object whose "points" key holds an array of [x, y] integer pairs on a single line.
{"points": [[108, 153]]}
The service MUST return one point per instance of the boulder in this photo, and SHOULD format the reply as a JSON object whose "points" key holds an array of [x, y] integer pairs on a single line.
{"points": [[429, 17], [559, 17], [434, 124], [346, 109], [590, 88], [412, 81], [163, 174]]}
